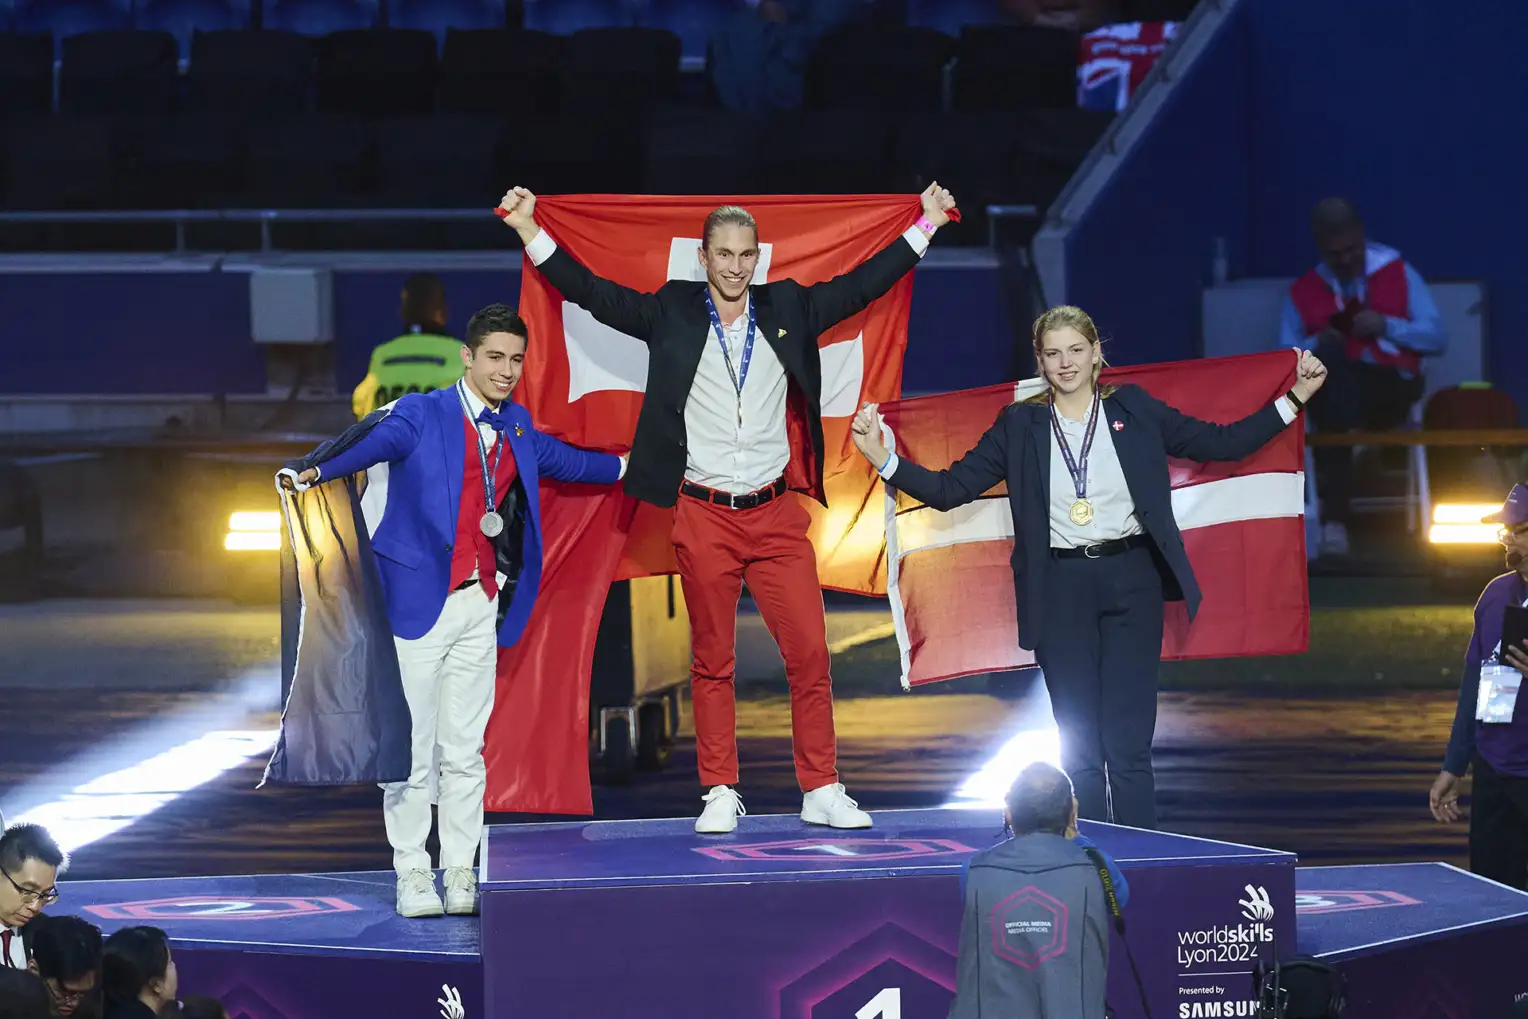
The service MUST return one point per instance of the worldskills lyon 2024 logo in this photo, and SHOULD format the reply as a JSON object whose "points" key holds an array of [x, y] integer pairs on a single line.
{"points": [[1209, 950]]}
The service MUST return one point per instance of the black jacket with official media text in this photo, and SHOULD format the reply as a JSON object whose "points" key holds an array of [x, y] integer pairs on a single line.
{"points": [[1034, 938], [676, 326], [1146, 431]]}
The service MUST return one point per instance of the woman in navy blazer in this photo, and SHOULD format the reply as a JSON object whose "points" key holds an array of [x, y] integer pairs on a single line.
{"points": [[1097, 550]]}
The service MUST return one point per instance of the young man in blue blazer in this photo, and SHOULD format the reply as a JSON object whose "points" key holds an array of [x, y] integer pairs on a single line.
{"points": [[454, 512]]}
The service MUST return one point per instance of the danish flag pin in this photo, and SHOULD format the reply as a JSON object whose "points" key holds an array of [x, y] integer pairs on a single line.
{"points": [[1119, 426]]}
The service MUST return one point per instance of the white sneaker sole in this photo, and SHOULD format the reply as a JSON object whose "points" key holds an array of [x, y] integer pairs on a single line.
{"points": [[822, 820], [461, 909], [704, 827], [422, 912]]}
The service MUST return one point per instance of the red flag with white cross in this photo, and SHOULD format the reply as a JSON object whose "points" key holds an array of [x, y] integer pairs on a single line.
{"points": [[584, 383]]}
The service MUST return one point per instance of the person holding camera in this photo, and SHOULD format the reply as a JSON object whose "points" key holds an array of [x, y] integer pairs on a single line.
{"points": [[1013, 958]]}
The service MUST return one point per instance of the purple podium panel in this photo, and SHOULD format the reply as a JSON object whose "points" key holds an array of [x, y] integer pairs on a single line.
{"points": [[780, 920], [295, 946], [1417, 941]]}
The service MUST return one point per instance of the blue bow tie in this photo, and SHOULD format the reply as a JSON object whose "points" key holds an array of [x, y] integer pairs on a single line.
{"points": [[497, 420]]}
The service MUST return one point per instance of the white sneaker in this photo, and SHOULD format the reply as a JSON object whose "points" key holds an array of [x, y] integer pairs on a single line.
{"points": [[832, 806], [1334, 539], [723, 805], [461, 891], [416, 894]]}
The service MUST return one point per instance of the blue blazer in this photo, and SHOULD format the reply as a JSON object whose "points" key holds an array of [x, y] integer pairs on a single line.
{"points": [[1017, 449], [423, 442]]}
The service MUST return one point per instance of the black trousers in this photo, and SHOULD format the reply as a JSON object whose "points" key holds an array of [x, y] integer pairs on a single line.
{"points": [[1100, 653], [1357, 396], [1499, 826]]}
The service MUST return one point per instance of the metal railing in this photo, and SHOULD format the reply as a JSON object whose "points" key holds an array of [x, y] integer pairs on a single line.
{"points": [[266, 218]]}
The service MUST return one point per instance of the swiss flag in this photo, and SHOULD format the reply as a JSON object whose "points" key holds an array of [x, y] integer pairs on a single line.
{"points": [[584, 382], [951, 585]]}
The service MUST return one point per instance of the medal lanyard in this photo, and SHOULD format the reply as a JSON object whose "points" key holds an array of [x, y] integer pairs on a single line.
{"points": [[740, 375], [490, 503], [1077, 467]]}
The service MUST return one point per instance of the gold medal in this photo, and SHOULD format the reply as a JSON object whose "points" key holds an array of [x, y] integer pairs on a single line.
{"points": [[1082, 512]]}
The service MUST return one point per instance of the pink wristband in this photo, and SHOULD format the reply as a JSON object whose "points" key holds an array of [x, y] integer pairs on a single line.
{"points": [[926, 226]]}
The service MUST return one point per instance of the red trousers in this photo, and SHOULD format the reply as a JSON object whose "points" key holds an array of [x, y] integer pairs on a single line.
{"points": [[718, 549]]}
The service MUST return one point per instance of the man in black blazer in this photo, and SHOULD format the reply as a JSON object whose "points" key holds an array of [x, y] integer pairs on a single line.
{"points": [[729, 426]]}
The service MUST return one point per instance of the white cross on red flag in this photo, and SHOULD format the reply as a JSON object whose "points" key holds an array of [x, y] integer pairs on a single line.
{"points": [[584, 382]]}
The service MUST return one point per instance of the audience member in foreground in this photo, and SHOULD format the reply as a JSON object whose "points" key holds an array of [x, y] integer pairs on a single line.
{"points": [[30, 862], [22, 995], [66, 954], [137, 973]]}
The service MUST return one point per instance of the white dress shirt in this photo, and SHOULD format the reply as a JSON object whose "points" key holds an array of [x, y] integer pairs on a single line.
{"points": [[720, 451], [1113, 508], [1114, 513]]}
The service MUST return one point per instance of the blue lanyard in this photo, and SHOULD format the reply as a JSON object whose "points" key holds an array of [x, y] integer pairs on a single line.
{"points": [[740, 375], [490, 502]]}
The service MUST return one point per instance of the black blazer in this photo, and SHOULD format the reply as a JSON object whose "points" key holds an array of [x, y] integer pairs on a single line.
{"points": [[676, 327], [1017, 447]]}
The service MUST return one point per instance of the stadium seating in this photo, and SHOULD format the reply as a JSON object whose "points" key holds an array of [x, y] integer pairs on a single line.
{"points": [[243, 73], [436, 103], [879, 67], [26, 74], [184, 18], [441, 16], [497, 70]]}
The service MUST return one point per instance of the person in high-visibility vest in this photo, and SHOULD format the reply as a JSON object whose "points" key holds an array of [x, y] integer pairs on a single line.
{"points": [[424, 358]]}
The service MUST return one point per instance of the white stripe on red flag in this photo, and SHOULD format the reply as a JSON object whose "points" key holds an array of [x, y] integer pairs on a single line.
{"points": [[951, 586]]}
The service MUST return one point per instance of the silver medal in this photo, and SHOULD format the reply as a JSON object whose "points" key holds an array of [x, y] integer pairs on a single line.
{"points": [[492, 524]]}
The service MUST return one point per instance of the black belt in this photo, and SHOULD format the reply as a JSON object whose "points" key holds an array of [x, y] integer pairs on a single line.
{"points": [[748, 500], [465, 584], [1099, 549]]}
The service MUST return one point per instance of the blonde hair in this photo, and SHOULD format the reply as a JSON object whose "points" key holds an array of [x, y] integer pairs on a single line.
{"points": [[728, 215], [1068, 316]]}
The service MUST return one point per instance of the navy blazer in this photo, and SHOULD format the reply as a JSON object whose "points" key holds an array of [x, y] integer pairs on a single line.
{"points": [[1017, 448], [424, 442]]}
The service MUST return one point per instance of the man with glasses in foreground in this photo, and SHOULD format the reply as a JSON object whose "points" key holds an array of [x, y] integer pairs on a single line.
{"points": [[66, 956], [29, 863], [1489, 734]]}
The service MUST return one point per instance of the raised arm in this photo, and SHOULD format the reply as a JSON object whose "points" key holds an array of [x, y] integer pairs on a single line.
{"points": [[834, 300], [1205, 442], [622, 308], [983, 467]]}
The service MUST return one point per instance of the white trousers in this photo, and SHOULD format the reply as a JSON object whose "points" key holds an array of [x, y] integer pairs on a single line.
{"points": [[448, 680]]}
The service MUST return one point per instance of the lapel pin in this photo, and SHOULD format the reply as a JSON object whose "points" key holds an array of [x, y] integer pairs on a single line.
{"points": [[780, 334], [519, 431], [1119, 426]]}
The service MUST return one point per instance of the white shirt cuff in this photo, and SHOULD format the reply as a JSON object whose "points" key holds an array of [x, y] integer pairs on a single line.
{"points": [[621, 475], [297, 485], [917, 238], [540, 248], [890, 468], [1286, 409]]}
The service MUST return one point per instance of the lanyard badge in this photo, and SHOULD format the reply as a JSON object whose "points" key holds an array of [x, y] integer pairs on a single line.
{"points": [[740, 374]]}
